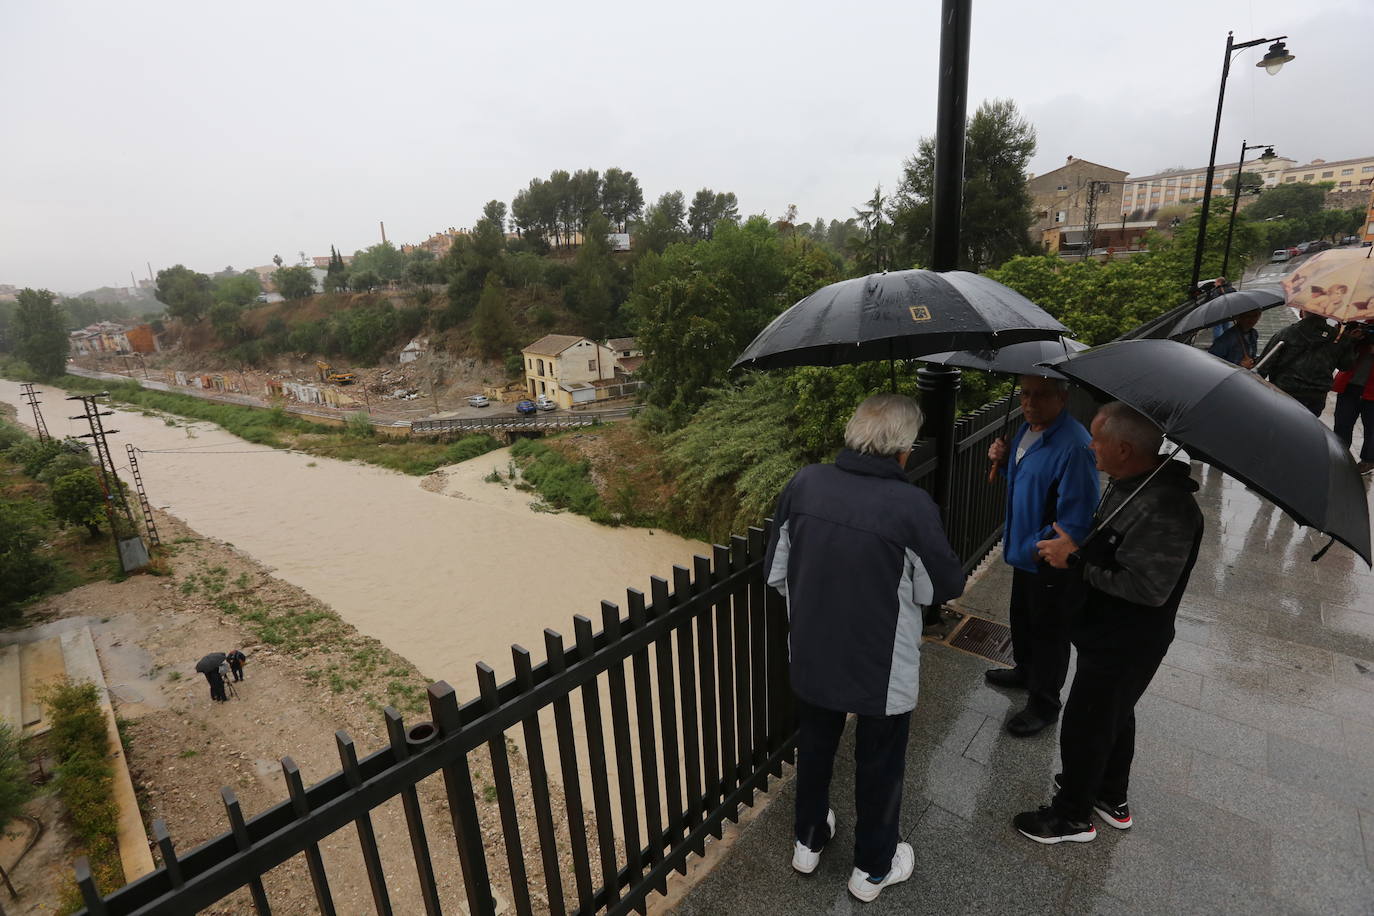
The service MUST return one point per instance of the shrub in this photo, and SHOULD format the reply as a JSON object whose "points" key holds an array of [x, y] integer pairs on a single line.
{"points": [[359, 426], [24, 572], [33, 456], [78, 499], [469, 447], [561, 482], [15, 788]]}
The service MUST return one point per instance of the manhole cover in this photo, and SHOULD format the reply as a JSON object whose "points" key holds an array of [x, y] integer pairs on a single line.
{"points": [[984, 637]]}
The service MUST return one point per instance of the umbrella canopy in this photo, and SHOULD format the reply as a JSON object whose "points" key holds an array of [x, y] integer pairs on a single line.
{"points": [[1224, 308], [901, 314], [1338, 284], [210, 663], [1232, 419], [1016, 359]]}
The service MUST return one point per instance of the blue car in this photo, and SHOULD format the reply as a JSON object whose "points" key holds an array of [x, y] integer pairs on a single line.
{"points": [[525, 408]]}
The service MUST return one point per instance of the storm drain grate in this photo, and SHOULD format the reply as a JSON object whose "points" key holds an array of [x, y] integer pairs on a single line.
{"points": [[984, 637]]}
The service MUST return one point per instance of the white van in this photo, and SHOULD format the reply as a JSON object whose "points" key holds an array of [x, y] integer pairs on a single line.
{"points": [[544, 402], [1279, 255]]}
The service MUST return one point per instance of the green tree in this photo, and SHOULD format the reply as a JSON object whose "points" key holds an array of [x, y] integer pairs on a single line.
{"points": [[495, 212], [78, 499], [225, 319], [39, 327], [873, 246], [491, 325], [186, 293], [421, 268], [383, 259], [621, 198], [697, 305], [237, 289], [592, 293], [584, 191], [294, 282], [1298, 200], [15, 788], [1249, 181], [996, 205], [25, 571], [665, 222], [708, 209]]}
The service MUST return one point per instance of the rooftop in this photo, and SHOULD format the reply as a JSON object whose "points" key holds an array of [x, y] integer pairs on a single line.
{"points": [[553, 344]]}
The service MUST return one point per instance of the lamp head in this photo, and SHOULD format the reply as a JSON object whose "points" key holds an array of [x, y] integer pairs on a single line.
{"points": [[1275, 58], [1268, 154]]}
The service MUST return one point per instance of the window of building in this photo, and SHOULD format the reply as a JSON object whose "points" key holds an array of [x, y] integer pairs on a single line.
{"points": [[1328, 174], [1171, 181], [1347, 171], [591, 365], [1308, 177], [1367, 168], [1345, 184], [1290, 178], [1062, 187], [1059, 216]]}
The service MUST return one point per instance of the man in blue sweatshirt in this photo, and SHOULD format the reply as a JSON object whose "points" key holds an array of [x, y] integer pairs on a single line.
{"points": [[1051, 478]]}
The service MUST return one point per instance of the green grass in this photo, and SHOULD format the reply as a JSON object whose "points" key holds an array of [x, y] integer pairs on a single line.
{"points": [[560, 482]]}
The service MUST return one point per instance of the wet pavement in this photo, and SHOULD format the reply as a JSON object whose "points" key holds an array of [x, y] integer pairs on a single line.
{"points": [[1253, 783]]}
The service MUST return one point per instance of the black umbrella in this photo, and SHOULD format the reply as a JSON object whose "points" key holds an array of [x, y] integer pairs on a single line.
{"points": [[210, 663], [1224, 308], [1016, 359], [900, 314], [1232, 419]]}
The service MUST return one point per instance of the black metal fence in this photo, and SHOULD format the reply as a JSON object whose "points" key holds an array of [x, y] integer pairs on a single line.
{"points": [[693, 680]]}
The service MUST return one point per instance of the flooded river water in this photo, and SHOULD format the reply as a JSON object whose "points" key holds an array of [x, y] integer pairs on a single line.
{"points": [[445, 574]]}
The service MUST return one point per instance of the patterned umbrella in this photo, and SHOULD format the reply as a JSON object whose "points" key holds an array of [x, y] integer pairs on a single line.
{"points": [[1338, 284]]}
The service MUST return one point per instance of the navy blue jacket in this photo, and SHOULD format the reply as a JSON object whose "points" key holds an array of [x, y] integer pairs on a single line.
{"points": [[1059, 464], [1234, 344], [858, 552]]}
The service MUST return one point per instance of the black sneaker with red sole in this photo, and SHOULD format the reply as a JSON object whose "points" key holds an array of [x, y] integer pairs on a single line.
{"points": [[1118, 816]]}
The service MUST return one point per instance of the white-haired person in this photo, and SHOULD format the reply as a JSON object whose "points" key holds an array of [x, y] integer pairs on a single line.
{"points": [[859, 552], [1131, 577]]}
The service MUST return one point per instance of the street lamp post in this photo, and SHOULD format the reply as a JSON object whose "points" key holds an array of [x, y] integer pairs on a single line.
{"points": [[1273, 61], [1266, 156]]}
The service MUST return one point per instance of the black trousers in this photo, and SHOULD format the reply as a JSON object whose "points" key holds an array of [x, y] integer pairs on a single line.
{"points": [[1350, 406], [238, 671], [879, 768], [1313, 402], [216, 685], [1040, 637], [1097, 737]]}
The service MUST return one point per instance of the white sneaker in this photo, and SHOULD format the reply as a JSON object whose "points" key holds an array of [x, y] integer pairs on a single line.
{"points": [[903, 864], [803, 859]]}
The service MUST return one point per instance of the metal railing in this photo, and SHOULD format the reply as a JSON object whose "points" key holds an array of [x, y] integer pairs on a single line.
{"points": [[697, 725]]}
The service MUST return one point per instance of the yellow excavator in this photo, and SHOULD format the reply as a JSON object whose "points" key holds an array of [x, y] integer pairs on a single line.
{"points": [[339, 376]]}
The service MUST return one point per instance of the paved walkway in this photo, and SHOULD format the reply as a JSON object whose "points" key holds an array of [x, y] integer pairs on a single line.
{"points": [[1253, 783]]}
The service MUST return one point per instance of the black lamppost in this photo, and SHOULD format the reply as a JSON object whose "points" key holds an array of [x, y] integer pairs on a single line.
{"points": [[1272, 62], [1266, 156]]}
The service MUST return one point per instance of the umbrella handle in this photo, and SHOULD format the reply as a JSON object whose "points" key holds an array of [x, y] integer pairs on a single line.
{"points": [[1268, 356]]}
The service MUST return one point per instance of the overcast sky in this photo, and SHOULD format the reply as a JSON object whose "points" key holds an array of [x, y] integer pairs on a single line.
{"points": [[222, 134]]}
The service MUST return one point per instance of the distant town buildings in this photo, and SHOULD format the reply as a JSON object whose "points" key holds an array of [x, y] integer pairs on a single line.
{"points": [[109, 338], [1147, 193]]}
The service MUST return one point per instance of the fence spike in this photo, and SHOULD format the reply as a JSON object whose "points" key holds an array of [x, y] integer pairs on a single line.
{"points": [[163, 838], [240, 831]]}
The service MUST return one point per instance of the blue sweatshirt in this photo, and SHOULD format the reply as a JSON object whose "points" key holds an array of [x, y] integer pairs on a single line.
{"points": [[1059, 462]]}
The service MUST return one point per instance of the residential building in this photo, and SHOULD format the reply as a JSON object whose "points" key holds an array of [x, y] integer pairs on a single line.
{"points": [[1147, 193], [571, 370], [437, 244], [1065, 196], [109, 337], [1368, 233], [1343, 173]]}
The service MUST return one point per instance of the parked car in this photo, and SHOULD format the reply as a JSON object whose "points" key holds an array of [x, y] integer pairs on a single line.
{"points": [[1350, 240], [525, 408], [1302, 247], [1279, 255], [478, 400], [544, 402], [1293, 252]]}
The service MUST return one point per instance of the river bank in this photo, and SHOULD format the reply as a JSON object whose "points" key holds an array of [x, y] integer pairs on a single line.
{"points": [[445, 575]]}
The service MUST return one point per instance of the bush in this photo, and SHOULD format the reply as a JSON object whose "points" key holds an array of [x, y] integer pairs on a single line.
{"points": [[561, 482], [15, 788], [33, 456], [79, 499], [85, 777], [470, 447], [24, 572], [359, 426]]}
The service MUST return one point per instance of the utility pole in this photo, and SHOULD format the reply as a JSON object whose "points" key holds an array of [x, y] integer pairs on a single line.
{"points": [[1090, 215], [31, 397], [133, 553]]}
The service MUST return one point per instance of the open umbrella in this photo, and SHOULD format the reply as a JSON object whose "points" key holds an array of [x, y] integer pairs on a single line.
{"points": [[1338, 284], [900, 314], [1225, 308], [210, 663], [1234, 420], [1016, 359]]}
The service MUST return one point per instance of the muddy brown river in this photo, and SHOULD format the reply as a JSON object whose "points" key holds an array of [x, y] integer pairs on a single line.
{"points": [[446, 574]]}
